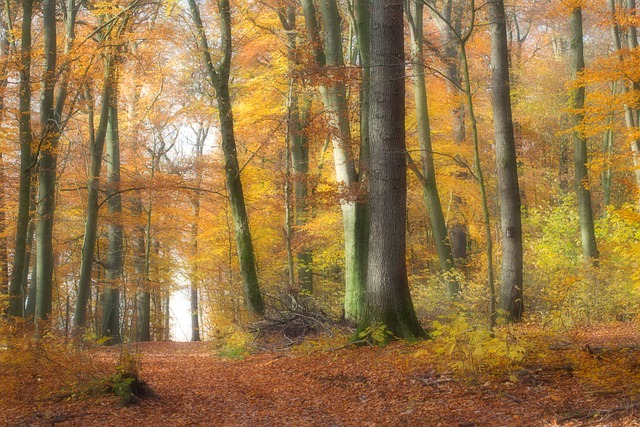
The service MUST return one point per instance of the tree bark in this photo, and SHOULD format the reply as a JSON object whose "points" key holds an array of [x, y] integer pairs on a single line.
{"points": [[388, 301], [587, 232], [449, 21], [114, 266], [334, 98], [429, 183], [50, 125], [220, 80], [511, 302], [16, 300], [97, 140], [298, 121]]}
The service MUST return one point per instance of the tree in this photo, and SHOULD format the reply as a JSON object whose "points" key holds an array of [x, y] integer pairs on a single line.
{"points": [[49, 124], [219, 79], [388, 300], [506, 161], [449, 21], [577, 97], [414, 11], [115, 256], [16, 299], [97, 140], [297, 141], [329, 55]]}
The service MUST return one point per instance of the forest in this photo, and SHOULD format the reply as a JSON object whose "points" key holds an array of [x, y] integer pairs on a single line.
{"points": [[358, 212]]}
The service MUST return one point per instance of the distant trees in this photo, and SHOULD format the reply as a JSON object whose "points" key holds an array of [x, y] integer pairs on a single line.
{"points": [[122, 219]]}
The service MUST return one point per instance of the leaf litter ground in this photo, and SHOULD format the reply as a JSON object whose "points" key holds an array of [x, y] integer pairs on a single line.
{"points": [[346, 387]]}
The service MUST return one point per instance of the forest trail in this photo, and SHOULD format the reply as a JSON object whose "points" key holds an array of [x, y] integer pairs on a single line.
{"points": [[345, 387]]}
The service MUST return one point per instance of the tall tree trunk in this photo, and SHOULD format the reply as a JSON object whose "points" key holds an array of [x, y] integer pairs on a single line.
{"points": [[28, 289], [91, 226], [587, 233], [50, 125], [141, 266], [334, 97], [479, 175], [630, 113], [16, 301], [220, 80], [111, 304], [449, 21], [300, 163], [298, 121], [195, 319], [5, 50], [388, 301], [51, 110], [195, 230], [510, 216], [414, 11]]}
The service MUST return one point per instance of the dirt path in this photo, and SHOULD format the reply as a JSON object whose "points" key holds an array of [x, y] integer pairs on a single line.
{"points": [[348, 387]]}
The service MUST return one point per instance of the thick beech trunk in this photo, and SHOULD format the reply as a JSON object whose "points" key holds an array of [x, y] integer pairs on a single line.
{"points": [[111, 303], [508, 188], [388, 301]]}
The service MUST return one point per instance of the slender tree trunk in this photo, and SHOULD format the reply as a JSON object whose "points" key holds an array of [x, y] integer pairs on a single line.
{"points": [[91, 226], [51, 110], [334, 97], [300, 163], [29, 290], [220, 80], [481, 182], [449, 21], [510, 216], [429, 184], [50, 126], [111, 304], [195, 273], [298, 118], [587, 233], [141, 246], [16, 301], [195, 320], [630, 113], [388, 301]]}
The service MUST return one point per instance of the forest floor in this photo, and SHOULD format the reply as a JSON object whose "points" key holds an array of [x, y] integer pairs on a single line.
{"points": [[365, 386]]}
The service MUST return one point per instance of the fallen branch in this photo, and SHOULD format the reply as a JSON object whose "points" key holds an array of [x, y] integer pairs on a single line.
{"points": [[598, 412]]}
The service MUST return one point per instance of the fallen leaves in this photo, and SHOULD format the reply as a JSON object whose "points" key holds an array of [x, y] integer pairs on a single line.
{"points": [[347, 387]]}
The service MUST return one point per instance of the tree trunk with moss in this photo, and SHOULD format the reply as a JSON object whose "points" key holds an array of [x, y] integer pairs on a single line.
{"points": [[587, 231], [414, 12], [219, 77], [328, 55]]}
